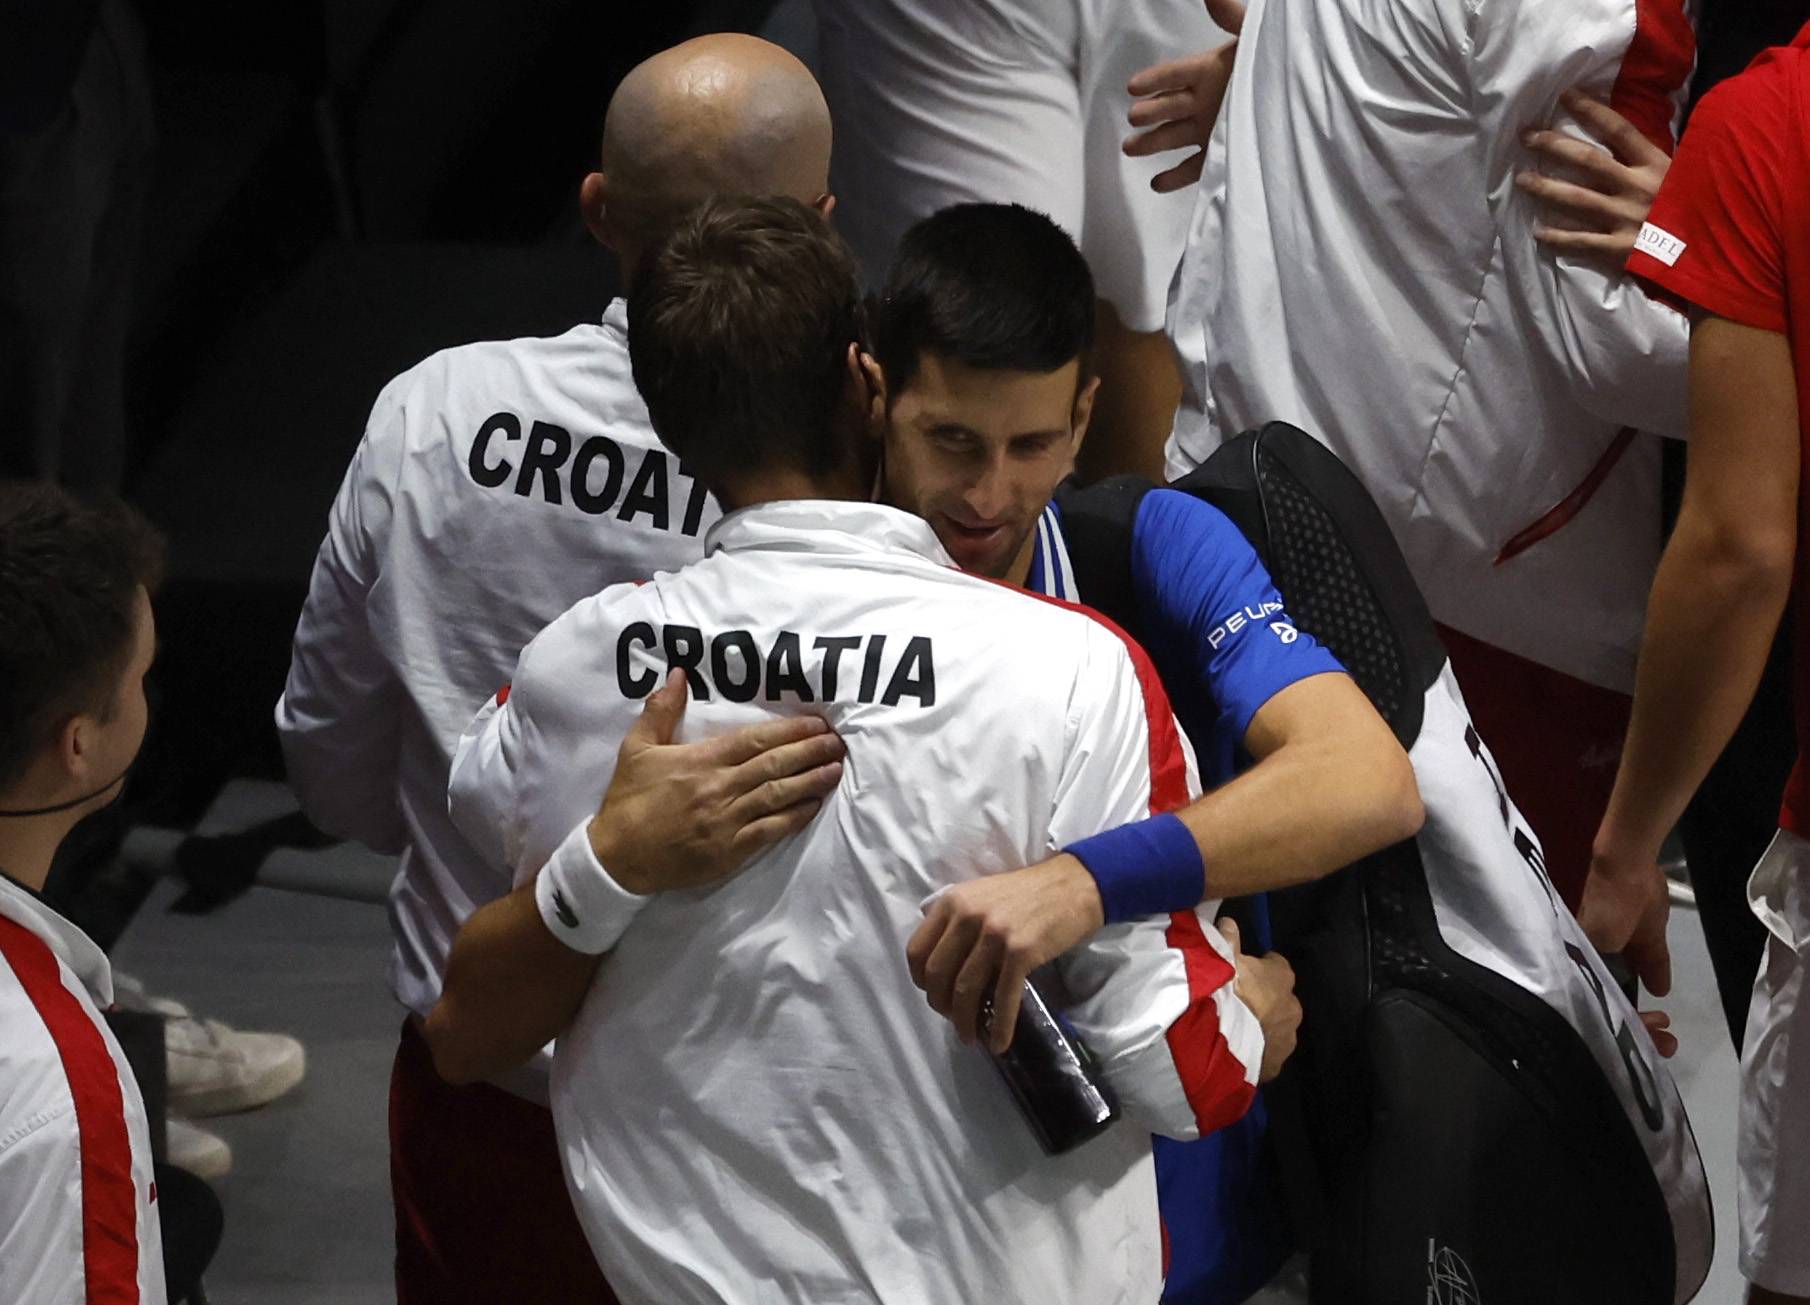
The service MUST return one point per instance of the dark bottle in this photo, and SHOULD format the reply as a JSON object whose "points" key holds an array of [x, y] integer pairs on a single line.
{"points": [[1055, 1078]]}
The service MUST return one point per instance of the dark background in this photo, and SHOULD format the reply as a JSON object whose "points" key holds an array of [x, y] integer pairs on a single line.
{"points": [[336, 189]]}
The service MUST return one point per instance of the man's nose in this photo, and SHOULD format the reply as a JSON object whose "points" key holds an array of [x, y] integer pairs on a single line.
{"points": [[990, 495]]}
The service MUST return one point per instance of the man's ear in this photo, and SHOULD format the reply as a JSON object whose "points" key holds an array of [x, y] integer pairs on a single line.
{"points": [[825, 204], [591, 204], [874, 381], [862, 402], [76, 741], [1083, 411]]}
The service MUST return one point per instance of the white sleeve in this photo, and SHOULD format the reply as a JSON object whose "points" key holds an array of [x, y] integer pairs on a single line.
{"points": [[1623, 352], [340, 715], [1152, 997], [483, 790], [538, 757]]}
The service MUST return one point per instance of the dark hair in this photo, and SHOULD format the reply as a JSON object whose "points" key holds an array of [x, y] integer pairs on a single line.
{"points": [[991, 285], [69, 570], [739, 323]]}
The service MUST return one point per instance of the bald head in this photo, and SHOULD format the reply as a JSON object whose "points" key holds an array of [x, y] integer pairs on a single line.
{"points": [[721, 114]]}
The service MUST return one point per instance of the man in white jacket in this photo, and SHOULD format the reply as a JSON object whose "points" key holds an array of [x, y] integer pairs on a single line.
{"points": [[497, 484], [78, 1200], [1363, 263], [751, 1097]]}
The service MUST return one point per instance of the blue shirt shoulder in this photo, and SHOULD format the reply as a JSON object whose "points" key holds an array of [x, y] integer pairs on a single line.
{"points": [[1217, 627]]}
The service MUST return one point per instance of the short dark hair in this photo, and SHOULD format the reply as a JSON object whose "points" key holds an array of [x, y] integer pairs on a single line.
{"points": [[739, 323], [69, 570], [996, 286]]}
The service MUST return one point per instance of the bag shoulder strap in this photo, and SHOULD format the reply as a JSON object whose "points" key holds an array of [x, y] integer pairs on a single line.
{"points": [[1098, 521]]}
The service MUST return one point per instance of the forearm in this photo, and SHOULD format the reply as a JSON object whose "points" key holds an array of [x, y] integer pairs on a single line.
{"points": [[1714, 609], [1330, 785], [1302, 813], [511, 987]]}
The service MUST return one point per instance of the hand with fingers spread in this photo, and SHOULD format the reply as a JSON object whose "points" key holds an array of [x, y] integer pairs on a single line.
{"points": [[981, 939], [682, 815], [1625, 908], [1175, 104], [1605, 207], [1266, 984]]}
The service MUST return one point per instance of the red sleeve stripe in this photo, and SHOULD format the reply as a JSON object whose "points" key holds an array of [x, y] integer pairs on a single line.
{"points": [[1218, 1089], [1168, 767], [1655, 69], [109, 1194]]}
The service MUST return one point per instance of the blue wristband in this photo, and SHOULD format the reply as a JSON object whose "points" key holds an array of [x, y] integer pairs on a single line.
{"points": [[1152, 867]]}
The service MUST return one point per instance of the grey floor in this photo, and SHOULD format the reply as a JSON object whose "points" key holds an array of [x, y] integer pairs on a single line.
{"points": [[307, 1203]]}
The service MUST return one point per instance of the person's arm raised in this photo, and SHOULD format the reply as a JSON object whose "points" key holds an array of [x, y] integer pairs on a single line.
{"points": [[674, 816]]}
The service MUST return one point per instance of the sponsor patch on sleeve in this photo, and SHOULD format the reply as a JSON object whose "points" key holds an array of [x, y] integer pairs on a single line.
{"points": [[1657, 242]]}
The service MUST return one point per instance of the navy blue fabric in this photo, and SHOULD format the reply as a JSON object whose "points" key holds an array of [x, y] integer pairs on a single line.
{"points": [[1150, 867], [1223, 644]]}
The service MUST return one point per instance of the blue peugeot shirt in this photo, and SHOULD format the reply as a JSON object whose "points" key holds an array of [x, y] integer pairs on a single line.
{"points": [[1219, 636]]}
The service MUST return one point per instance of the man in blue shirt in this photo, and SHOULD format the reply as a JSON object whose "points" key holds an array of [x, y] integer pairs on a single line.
{"points": [[980, 356]]}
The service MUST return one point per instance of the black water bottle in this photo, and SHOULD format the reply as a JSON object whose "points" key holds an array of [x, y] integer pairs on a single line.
{"points": [[1055, 1078]]}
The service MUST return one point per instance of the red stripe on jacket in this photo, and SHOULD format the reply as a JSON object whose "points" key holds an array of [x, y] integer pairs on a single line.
{"points": [[109, 1194], [1218, 1091], [1655, 68]]}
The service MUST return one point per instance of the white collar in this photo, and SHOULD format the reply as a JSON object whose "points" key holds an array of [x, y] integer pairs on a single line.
{"points": [[615, 318], [819, 525], [73, 947]]}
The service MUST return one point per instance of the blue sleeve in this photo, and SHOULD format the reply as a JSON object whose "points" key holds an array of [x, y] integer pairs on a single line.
{"points": [[1206, 596]]}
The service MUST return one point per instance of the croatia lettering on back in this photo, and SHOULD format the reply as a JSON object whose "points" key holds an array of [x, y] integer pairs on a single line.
{"points": [[785, 665], [593, 473]]}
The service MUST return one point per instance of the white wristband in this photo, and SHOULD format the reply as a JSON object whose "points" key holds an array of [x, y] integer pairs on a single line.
{"points": [[579, 902]]}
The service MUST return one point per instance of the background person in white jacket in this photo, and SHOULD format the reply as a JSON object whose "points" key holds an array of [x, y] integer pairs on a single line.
{"points": [[78, 1199], [1363, 262], [940, 102], [752, 1091], [497, 484]]}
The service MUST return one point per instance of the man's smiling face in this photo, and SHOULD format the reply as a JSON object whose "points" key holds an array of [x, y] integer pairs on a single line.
{"points": [[977, 452]]}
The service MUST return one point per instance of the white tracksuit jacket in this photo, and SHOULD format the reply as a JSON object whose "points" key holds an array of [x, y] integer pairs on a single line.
{"points": [[497, 484], [754, 1103], [78, 1200], [1361, 264]]}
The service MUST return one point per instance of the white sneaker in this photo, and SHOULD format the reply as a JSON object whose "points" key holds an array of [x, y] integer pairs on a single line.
{"points": [[215, 1069], [197, 1150]]}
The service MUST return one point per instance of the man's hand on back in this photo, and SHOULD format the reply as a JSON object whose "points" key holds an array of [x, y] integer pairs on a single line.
{"points": [[1266, 984], [981, 939], [1609, 202], [1176, 103], [682, 815]]}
